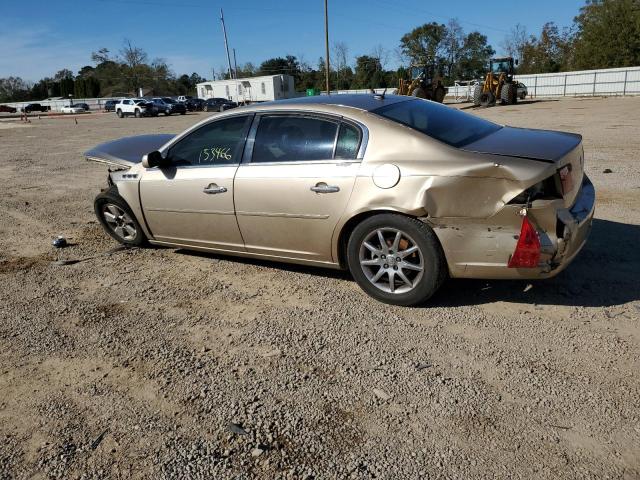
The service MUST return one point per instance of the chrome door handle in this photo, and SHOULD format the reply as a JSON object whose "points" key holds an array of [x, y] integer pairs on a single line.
{"points": [[213, 189], [324, 188]]}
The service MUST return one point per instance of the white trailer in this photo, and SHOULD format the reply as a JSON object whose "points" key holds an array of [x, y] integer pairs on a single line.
{"points": [[248, 90]]}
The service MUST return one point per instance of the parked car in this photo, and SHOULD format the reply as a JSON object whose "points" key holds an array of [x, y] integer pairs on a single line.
{"points": [[218, 105], [35, 107], [521, 90], [72, 109], [184, 98], [110, 105], [7, 109], [169, 106], [83, 106], [402, 191], [138, 107], [194, 104]]}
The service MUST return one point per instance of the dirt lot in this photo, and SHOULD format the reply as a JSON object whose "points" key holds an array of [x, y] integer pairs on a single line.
{"points": [[159, 363]]}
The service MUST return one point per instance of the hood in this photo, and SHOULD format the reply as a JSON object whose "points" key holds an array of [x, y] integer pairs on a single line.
{"points": [[128, 151], [544, 145]]}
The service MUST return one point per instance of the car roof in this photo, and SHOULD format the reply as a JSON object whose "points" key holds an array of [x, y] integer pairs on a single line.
{"points": [[365, 102]]}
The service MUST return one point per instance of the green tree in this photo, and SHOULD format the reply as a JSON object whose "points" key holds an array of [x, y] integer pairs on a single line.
{"points": [[424, 44], [607, 34], [474, 56], [548, 53], [368, 73]]}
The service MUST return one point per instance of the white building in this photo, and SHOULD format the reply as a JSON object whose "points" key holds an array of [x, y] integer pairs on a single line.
{"points": [[253, 89]]}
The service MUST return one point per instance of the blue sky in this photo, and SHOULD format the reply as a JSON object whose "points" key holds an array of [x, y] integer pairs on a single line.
{"points": [[39, 37]]}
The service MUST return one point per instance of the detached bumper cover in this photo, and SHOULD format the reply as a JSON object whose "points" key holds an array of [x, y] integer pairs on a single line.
{"points": [[576, 224]]}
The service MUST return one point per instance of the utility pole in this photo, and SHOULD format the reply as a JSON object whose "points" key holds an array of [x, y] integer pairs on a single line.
{"points": [[226, 46], [235, 64], [326, 44]]}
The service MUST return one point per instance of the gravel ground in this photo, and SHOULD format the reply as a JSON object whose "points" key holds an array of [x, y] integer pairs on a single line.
{"points": [[160, 363]]}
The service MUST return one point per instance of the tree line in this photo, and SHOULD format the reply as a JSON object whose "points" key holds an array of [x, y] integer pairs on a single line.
{"points": [[604, 34]]}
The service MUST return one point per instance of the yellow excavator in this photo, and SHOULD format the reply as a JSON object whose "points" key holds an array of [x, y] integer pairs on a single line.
{"points": [[425, 82], [498, 84]]}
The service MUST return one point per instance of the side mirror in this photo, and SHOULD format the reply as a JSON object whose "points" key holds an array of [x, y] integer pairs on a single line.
{"points": [[153, 159]]}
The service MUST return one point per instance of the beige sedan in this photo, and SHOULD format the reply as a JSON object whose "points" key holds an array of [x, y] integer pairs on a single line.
{"points": [[403, 192]]}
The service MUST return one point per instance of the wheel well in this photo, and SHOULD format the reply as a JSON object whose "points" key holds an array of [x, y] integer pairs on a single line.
{"points": [[351, 224]]}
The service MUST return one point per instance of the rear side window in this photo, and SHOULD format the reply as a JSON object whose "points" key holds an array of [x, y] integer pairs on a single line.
{"points": [[445, 124], [348, 142], [216, 143], [293, 138]]}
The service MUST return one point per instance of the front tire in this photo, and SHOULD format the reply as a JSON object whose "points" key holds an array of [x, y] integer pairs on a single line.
{"points": [[120, 114], [117, 219], [138, 113], [396, 259]]}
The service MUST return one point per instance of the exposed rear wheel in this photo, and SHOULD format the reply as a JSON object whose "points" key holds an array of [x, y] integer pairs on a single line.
{"points": [[396, 259], [117, 219]]}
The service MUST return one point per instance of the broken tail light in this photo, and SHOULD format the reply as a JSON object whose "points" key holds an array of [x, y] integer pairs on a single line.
{"points": [[527, 252]]}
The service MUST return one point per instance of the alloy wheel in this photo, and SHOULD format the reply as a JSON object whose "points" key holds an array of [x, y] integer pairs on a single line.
{"points": [[119, 221], [391, 260]]}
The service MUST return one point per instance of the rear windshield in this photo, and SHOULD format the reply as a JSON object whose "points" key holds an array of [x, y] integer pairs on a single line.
{"points": [[446, 124]]}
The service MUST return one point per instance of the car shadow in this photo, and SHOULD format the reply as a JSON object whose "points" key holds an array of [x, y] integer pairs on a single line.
{"points": [[289, 267], [604, 274]]}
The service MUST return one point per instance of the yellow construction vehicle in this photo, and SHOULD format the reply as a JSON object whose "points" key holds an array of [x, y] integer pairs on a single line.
{"points": [[425, 82], [498, 84]]}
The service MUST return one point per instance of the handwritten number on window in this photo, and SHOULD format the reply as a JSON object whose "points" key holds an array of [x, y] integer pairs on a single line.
{"points": [[214, 153]]}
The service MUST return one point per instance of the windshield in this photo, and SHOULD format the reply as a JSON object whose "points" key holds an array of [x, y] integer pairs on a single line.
{"points": [[168, 100], [500, 66], [445, 124]]}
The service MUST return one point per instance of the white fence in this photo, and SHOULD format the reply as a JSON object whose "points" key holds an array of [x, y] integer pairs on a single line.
{"points": [[612, 81]]}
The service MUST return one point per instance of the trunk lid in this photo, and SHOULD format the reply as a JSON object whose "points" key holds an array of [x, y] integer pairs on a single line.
{"points": [[127, 152], [562, 149], [543, 145]]}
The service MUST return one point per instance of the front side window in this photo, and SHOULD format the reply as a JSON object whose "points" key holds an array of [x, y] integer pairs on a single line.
{"points": [[284, 138], [445, 124], [216, 143]]}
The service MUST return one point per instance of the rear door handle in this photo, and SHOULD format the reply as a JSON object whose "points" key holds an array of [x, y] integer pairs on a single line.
{"points": [[212, 189], [322, 187]]}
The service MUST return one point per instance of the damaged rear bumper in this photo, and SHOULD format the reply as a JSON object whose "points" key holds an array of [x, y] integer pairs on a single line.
{"points": [[482, 249]]}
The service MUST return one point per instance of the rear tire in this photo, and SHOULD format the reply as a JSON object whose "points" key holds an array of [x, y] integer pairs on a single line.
{"points": [[117, 219], [415, 255], [120, 114], [477, 95]]}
